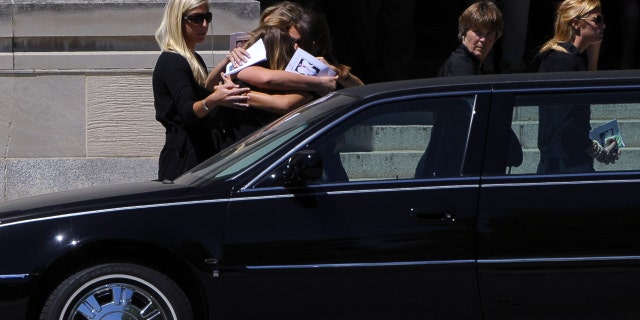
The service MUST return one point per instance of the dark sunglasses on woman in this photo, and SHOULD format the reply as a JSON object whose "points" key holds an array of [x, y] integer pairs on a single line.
{"points": [[198, 18], [598, 20]]}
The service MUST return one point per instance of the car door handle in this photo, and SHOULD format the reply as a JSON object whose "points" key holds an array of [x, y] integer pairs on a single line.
{"points": [[432, 214]]}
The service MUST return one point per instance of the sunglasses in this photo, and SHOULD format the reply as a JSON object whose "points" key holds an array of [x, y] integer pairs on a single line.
{"points": [[598, 20], [198, 18]]}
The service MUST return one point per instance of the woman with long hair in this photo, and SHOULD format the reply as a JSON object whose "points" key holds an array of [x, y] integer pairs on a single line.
{"points": [[279, 47], [563, 131], [281, 16], [312, 34], [183, 105], [266, 105], [578, 32]]}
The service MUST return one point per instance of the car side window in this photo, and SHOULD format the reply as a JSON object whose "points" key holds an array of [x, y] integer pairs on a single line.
{"points": [[554, 131], [423, 138]]}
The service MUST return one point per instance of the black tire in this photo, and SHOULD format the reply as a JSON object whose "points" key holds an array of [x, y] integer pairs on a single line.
{"points": [[107, 290]]}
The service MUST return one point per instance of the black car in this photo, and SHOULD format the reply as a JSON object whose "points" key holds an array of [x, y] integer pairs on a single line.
{"points": [[415, 199]]}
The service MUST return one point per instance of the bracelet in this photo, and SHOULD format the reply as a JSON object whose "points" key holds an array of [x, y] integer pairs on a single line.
{"points": [[595, 149], [599, 153], [204, 106], [603, 156]]}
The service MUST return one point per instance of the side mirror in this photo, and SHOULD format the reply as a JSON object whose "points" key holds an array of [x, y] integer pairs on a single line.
{"points": [[303, 166]]}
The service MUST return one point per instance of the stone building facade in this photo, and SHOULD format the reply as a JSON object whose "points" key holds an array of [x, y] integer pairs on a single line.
{"points": [[75, 81]]}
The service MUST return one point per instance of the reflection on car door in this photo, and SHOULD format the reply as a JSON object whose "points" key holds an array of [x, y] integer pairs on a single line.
{"points": [[562, 246], [382, 245]]}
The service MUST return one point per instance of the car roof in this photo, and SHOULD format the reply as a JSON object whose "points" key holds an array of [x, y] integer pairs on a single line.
{"points": [[497, 81]]}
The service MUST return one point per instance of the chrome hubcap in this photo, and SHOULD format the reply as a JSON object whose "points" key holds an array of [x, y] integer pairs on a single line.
{"points": [[117, 302]]}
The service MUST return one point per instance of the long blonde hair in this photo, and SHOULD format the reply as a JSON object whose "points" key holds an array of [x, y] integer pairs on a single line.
{"points": [[171, 38], [281, 15], [567, 12]]}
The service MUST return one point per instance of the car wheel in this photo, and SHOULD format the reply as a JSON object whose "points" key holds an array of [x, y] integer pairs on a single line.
{"points": [[117, 291]]}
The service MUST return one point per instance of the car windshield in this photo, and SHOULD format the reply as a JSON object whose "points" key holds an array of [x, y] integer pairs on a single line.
{"points": [[246, 152]]}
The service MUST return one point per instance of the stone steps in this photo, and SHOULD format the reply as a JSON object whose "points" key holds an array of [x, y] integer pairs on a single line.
{"points": [[110, 34], [403, 164], [379, 152], [387, 138]]}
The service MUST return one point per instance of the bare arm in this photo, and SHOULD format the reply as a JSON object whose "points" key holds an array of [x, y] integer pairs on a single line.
{"points": [[282, 80], [214, 77], [227, 95], [278, 103], [237, 56]]}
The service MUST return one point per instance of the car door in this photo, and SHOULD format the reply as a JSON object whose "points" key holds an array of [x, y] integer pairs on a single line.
{"points": [[387, 233], [563, 245]]}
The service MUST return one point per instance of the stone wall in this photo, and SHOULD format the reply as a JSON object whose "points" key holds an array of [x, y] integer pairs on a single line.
{"points": [[75, 81]]}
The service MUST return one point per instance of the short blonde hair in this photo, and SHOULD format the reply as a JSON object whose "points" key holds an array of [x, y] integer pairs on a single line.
{"points": [[170, 36]]}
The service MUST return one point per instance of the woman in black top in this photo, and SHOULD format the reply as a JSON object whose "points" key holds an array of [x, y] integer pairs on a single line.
{"points": [[563, 131], [479, 26], [189, 112]]}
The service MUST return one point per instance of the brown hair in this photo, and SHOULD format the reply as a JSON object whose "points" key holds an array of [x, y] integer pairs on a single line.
{"points": [[315, 38], [482, 14], [281, 15], [277, 43]]}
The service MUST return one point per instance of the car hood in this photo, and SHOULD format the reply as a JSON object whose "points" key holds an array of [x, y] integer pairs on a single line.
{"points": [[93, 198]]}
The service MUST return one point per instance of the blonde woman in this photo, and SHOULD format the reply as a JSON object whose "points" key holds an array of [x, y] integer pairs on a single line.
{"points": [[563, 131], [579, 30], [183, 105]]}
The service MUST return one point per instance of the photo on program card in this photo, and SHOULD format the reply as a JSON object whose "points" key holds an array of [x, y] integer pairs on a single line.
{"points": [[304, 63], [605, 132], [307, 68]]}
